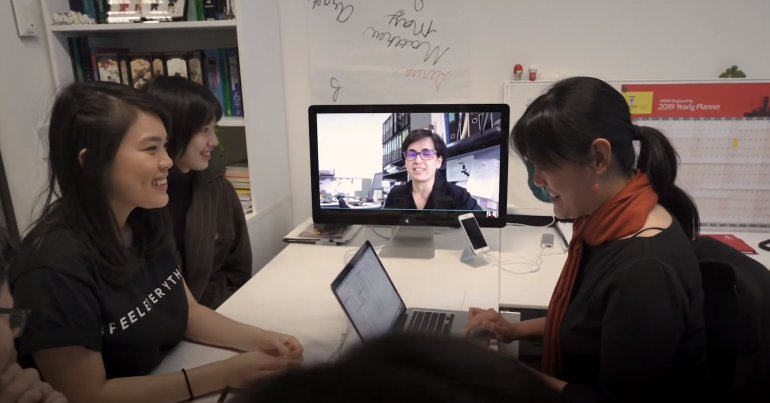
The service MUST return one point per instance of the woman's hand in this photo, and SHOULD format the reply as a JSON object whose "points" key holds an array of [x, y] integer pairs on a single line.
{"points": [[246, 368], [279, 345], [491, 320], [24, 386]]}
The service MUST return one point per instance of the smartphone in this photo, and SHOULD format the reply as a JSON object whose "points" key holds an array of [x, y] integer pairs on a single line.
{"points": [[473, 231]]}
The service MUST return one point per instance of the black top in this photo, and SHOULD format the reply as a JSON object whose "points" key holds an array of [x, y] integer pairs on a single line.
{"points": [[634, 330], [444, 196], [134, 326], [180, 194]]}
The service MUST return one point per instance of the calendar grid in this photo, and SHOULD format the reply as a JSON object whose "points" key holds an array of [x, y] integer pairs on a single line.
{"points": [[724, 167]]}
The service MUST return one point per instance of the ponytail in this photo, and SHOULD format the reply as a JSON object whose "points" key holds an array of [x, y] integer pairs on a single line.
{"points": [[659, 160]]}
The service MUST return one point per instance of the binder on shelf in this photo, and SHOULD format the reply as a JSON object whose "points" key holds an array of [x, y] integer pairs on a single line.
{"points": [[234, 77]]}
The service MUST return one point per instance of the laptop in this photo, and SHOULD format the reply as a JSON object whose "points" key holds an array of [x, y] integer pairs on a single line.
{"points": [[374, 307]]}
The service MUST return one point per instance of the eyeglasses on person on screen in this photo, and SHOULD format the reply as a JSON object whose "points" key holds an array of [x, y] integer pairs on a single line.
{"points": [[17, 319], [425, 154]]}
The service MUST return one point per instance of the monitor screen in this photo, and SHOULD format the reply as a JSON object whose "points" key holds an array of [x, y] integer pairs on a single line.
{"points": [[431, 163], [368, 296], [377, 181]]}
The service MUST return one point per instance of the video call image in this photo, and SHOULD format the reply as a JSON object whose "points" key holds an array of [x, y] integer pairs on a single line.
{"points": [[410, 161]]}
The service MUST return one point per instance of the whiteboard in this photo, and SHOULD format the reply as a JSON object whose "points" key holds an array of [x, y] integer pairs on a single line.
{"points": [[394, 51], [724, 163]]}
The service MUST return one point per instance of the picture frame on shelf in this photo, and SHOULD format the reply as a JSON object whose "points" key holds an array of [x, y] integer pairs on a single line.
{"points": [[158, 65], [108, 67], [176, 64], [125, 75], [130, 11], [196, 65], [140, 67]]}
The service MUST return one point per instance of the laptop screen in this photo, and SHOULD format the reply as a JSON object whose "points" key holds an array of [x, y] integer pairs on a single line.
{"points": [[369, 297]]}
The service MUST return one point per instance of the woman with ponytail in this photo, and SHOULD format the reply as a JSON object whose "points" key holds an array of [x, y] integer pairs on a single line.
{"points": [[625, 322]]}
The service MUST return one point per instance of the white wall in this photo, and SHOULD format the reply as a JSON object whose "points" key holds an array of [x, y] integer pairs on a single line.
{"points": [[602, 38], [262, 80], [26, 90], [351, 144]]}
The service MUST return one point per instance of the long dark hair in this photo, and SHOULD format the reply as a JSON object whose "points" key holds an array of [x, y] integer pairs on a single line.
{"points": [[96, 116], [405, 367], [563, 123], [190, 105]]}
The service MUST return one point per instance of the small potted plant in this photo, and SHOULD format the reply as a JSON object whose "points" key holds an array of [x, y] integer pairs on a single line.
{"points": [[733, 72]]}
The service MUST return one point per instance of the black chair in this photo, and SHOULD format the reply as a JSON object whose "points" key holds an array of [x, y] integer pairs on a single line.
{"points": [[720, 311], [737, 313]]}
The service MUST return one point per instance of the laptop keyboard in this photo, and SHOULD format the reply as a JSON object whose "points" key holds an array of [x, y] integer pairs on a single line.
{"points": [[433, 323]]}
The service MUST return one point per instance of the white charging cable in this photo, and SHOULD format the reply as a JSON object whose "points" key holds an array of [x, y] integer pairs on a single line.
{"points": [[534, 266]]}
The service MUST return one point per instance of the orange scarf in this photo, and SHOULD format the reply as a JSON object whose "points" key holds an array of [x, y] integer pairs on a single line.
{"points": [[619, 217]]}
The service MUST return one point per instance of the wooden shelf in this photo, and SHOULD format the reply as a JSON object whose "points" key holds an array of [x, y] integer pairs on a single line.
{"points": [[232, 121], [145, 26]]}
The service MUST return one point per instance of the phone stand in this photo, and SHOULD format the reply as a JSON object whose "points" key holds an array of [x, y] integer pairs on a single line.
{"points": [[473, 260]]}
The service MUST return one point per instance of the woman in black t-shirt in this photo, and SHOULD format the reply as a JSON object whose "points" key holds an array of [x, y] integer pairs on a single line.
{"points": [[625, 322], [99, 269]]}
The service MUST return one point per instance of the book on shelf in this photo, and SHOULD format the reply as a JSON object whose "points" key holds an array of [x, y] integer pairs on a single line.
{"points": [[238, 176], [216, 69], [133, 11]]}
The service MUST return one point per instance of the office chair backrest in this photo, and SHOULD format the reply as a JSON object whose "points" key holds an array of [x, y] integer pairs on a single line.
{"points": [[737, 321], [720, 312]]}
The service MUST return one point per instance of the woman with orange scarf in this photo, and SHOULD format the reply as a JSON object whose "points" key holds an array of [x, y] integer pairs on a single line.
{"points": [[625, 322]]}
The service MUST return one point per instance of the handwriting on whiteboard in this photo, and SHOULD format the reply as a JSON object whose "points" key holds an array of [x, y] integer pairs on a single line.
{"points": [[376, 47], [433, 75], [402, 43], [345, 12], [336, 86]]}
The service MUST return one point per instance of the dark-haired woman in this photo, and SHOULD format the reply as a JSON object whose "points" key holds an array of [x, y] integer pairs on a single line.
{"points": [[403, 367], [424, 152], [209, 225], [625, 322], [99, 269]]}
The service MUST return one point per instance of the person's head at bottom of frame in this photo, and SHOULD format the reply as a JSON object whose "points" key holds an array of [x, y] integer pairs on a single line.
{"points": [[407, 367]]}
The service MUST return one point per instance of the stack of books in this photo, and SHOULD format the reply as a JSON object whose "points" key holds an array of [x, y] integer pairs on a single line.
{"points": [[238, 175]]}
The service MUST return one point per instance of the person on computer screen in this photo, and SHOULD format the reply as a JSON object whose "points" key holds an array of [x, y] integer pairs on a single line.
{"points": [[625, 322], [424, 152]]}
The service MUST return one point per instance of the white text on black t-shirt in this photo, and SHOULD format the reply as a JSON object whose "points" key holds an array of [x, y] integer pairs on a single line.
{"points": [[134, 315]]}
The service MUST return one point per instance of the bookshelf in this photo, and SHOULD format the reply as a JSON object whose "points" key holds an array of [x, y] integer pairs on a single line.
{"points": [[150, 26], [154, 38]]}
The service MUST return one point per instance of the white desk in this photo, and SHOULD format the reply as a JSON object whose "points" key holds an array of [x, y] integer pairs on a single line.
{"points": [[533, 290], [520, 287], [292, 294]]}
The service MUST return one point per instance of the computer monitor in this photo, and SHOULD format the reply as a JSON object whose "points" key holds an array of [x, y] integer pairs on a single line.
{"points": [[377, 181], [460, 165]]}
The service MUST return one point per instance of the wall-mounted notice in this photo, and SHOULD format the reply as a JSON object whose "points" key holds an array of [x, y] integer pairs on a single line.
{"points": [[720, 131], [394, 51]]}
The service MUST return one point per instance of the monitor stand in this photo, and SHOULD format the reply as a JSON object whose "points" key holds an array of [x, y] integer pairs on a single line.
{"points": [[410, 243], [473, 260]]}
